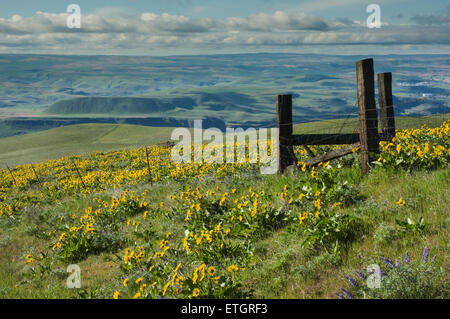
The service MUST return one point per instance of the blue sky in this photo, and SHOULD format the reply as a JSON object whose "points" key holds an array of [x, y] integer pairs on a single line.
{"points": [[226, 8], [160, 27]]}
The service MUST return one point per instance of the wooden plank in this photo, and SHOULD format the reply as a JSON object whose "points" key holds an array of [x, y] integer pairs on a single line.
{"points": [[324, 139], [333, 154], [308, 150], [385, 103], [367, 112], [286, 156]]}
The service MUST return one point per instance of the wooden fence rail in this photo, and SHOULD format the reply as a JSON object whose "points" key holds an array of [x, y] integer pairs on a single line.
{"points": [[368, 138]]}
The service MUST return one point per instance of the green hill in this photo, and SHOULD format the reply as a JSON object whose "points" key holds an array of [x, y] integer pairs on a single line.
{"points": [[77, 139]]}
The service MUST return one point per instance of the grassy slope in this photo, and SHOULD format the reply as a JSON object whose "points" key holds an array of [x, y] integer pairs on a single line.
{"points": [[286, 271], [283, 267], [351, 125], [77, 139], [85, 138]]}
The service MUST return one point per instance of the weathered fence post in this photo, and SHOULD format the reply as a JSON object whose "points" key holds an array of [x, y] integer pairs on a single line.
{"points": [[78, 172], [149, 170], [286, 155], [37, 176], [367, 112], [386, 106]]}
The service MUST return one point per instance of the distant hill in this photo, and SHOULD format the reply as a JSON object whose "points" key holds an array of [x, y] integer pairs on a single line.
{"points": [[24, 125], [119, 105]]}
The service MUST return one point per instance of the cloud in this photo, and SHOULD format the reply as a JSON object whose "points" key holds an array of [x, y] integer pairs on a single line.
{"points": [[279, 20], [116, 31], [173, 23], [433, 19], [116, 21]]}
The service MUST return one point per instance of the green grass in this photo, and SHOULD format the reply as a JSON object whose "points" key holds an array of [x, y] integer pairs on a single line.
{"points": [[281, 267], [351, 125], [286, 270], [77, 139]]}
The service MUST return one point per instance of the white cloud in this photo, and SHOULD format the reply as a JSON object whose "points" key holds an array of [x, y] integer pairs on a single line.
{"points": [[279, 20], [119, 31]]}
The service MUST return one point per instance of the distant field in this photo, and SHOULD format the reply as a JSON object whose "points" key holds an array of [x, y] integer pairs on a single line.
{"points": [[238, 89], [87, 138], [77, 139]]}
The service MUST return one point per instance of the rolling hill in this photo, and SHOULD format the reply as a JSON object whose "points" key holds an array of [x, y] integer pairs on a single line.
{"points": [[86, 138], [77, 139]]}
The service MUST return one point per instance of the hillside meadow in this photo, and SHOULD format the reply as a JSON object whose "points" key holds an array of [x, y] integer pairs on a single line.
{"points": [[168, 230], [83, 139]]}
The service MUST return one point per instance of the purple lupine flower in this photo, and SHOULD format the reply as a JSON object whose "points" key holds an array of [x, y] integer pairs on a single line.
{"points": [[432, 259], [406, 258], [387, 262], [360, 275], [340, 296], [398, 263], [352, 281], [425, 254], [347, 293]]}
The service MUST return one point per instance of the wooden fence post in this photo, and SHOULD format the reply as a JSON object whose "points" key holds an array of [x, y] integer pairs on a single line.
{"points": [[78, 172], [386, 106], [37, 176], [148, 166], [367, 112], [286, 155], [12, 175]]}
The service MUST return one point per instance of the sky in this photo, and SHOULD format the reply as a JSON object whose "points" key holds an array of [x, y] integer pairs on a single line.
{"points": [[171, 27]]}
